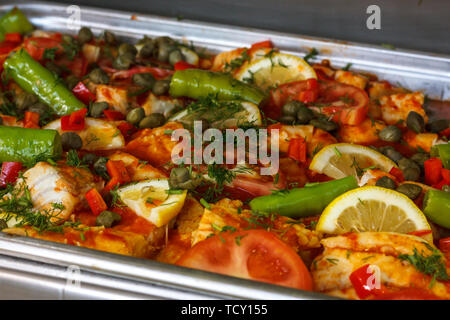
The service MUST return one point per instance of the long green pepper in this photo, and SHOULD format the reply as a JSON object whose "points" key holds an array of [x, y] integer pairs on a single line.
{"points": [[32, 77]]}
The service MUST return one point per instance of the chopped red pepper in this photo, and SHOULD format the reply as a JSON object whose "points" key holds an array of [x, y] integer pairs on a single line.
{"points": [[420, 233], [31, 120], [446, 175], [82, 93], [445, 132], [111, 185], [10, 172], [397, 173], [126, 128], [297, 149], [13, 37], [6, 47], [75, 121], [113, 115], [183, 65], [361, 280], [262, 44], [433, 171], [116, 169], [95, 201], [308, 96]]}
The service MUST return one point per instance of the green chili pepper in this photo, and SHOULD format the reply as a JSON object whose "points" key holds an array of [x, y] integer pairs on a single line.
{"points": [[436, 206], [14, 21], [303, 202], [26, 145], [443, 150], [32, 77], [196, 83]]}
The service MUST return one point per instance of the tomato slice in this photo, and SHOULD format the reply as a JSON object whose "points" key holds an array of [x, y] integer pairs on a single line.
{"points": [[347, 104], [36, 46], [252, 254], [282, 94], [408, 294]]}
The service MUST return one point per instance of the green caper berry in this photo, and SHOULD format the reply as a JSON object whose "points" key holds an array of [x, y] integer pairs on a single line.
{"points": [[391, 153], [324, 124], [99, 76], [410, 190], [164, 50], [71, 81], [145, 40], [439, 125], [152, 121], [24, 99], [147, 50], [411, 174], [109, 37], [287, 119], [178, 176], [420, 158], [144, 80], [89, 158], [135, 115], [100, 167], [126, 48], [40, 108], [123, 62], [107, 219], [390, 134], [161, 87], [405, 163], [85, 35], [415, 122], [175, 56], [96, 109], [164, 40], [291, 108], [386, 182], [71, 140], [304, 115], [3, 224]]}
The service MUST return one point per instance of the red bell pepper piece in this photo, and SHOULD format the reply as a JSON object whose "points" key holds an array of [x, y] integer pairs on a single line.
{"points": [[297, 149], [312, 84], [13, 37], [433, 171], [82, 93], [183, 65], [116, 169], [31, 120], [446, 175], [10, 172], [361, 280], [75, 121], [111, 185], [113, 115], [95, 201], [445, 132], [126, 128], [262, 44], [397, 173], [7, 46]]}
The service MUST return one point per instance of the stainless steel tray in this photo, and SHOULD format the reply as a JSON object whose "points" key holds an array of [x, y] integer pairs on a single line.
{"points": [[32, 268]]}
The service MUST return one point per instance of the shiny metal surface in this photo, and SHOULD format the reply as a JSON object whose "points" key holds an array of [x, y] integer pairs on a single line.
{"points": [[32, 268]]}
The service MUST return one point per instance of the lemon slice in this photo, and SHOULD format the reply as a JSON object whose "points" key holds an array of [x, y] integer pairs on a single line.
{"points": [[372, 209], [152, 200], [275, 69], [228, 114], [346, 159]]}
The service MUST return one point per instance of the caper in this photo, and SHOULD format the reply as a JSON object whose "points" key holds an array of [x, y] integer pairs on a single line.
{"points": [[390, 134], [107, 219], [135, 115], [420, 158], [145, 40], [144, 80], [126, 48], [71, 81], [291, 108], [147, 50], [40, 108], [161, 87], [405, 163], [24, 99], [71, 140], [446, 188], [164, 50], [415, 122], [411, 174], [410, 190], [152, 121], [54, 68], [99, 76], [324, 124], [89, 158], [123, 62], [391, 153], [109, 37], [164, 40], [287, 119], [85, 35], [178, 176], [96, 109], [100, 167], [3, 224], [175, 56], [439, 125], [304, 115], [386, 182]]}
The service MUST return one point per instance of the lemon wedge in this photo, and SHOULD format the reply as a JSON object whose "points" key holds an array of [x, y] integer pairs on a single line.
{"points": [[346, 159], [153, 200], [229, 114], [372, 209], [275, 69]]}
